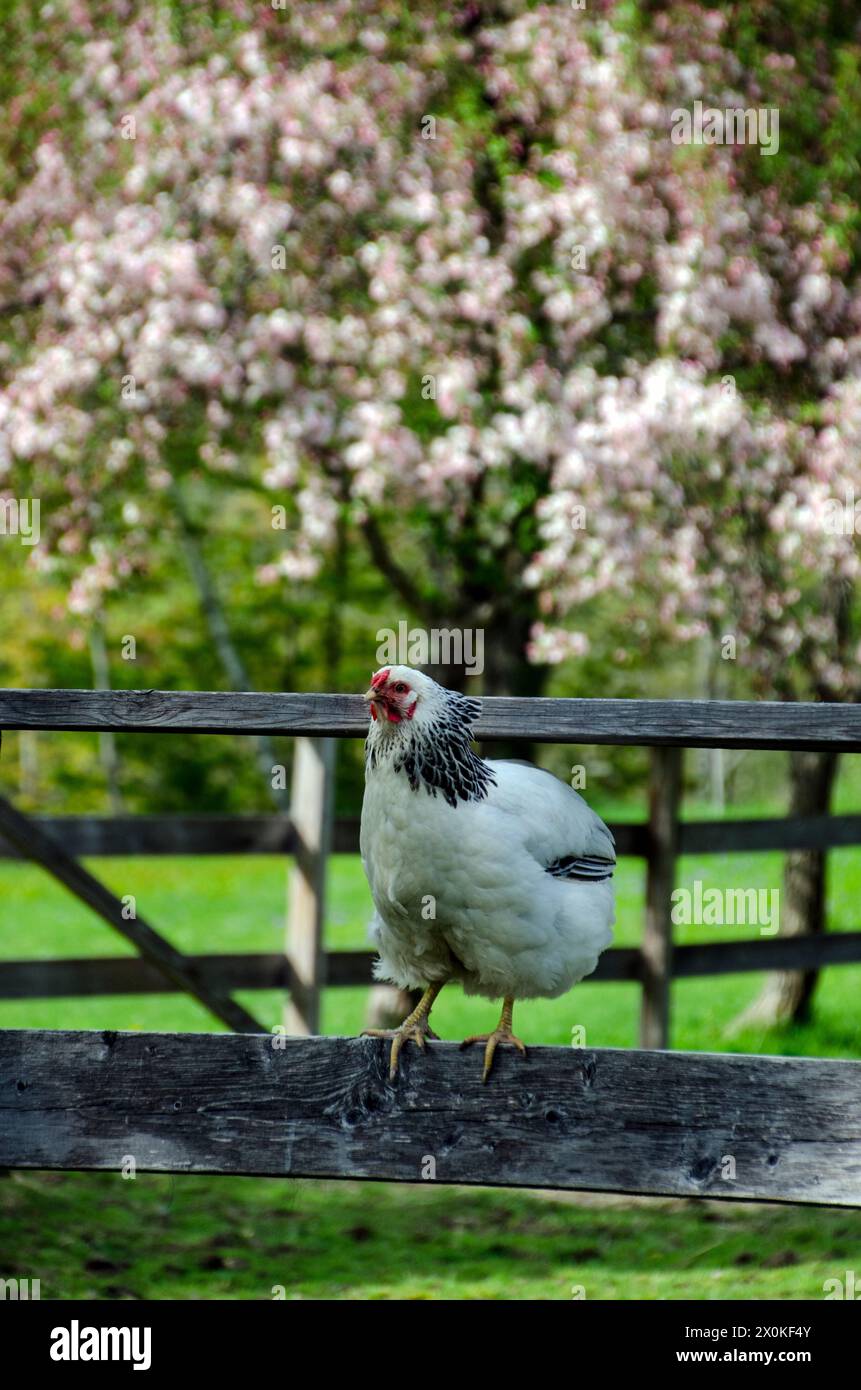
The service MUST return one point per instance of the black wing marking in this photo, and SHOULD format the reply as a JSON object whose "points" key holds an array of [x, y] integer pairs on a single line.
{"points": [[586, 868]]}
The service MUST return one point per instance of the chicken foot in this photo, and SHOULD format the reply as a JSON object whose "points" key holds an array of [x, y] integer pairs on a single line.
{"points": [[501, 1034], [415, 1028]]}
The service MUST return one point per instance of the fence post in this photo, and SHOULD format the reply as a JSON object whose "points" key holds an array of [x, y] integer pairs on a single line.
{"points": [[311, 802], [665, 784]]}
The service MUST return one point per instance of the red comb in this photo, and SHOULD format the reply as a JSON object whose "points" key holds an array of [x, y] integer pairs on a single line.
{"points": [[379, 679]]}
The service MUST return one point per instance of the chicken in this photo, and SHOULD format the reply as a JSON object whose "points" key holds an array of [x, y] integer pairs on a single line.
{"points": [[494, 874]]}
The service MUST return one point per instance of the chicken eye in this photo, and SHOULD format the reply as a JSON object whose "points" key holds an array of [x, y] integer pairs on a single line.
{"points": [[400, 688]]}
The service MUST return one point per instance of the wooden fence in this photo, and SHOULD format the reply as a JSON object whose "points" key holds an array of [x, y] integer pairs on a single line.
{"points": [[624, 1121], [668, 1123], [306, 967]]}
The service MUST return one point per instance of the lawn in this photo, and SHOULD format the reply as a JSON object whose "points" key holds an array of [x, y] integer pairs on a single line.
{"points": [[202, 1237]]}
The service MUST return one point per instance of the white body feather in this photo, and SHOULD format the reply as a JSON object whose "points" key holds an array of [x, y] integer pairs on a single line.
{"points": [[461, 892]]}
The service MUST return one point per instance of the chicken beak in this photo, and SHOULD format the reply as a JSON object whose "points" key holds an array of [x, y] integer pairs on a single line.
{"points": [[372, 698]]}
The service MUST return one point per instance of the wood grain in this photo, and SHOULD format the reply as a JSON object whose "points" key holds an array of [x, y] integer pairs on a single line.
{"points": [[663, 1123], [679, 723]]}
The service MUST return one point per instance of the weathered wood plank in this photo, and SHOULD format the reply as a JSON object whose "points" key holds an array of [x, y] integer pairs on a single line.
{"points": [[768, 953], [33, 842], [678, 723], [84, 976], [659, 1123], [345, 835], [108, 836], [92, 975], [778, 832]]}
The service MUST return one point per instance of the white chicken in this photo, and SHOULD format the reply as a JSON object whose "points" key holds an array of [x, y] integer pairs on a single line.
{"points": [[494, 874]]}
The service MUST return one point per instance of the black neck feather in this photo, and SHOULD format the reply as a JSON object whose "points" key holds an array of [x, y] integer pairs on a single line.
{"points": [[439, 757]]}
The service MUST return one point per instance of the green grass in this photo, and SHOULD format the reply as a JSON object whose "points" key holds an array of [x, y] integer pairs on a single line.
{"points": [[237, 1238], [237, 904], [194, 1237]]}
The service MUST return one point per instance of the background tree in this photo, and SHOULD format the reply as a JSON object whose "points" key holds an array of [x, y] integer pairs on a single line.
{"points": [[445, 283]]}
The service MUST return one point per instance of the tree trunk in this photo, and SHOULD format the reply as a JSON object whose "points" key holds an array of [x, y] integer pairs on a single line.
{"points": [[713, 759], [787, 994], [333, 623], [107, 742], [507, 671], [226, 650], [28, 765]]}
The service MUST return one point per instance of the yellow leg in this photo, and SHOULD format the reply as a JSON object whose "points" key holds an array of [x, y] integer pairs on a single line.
{"points": [[501, 1034], [416, 1027]]}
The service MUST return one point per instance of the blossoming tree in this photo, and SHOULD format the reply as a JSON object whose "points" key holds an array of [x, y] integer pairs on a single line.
{"points": [[446, 280]]}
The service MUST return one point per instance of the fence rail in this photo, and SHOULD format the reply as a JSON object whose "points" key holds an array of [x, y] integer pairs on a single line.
{"points": [[646, 723], [109, 836], [92, 975], [662, 1123]]}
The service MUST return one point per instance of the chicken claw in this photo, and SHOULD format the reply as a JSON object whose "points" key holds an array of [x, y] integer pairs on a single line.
{"points": [[501, 1034], [415, 1028]]}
